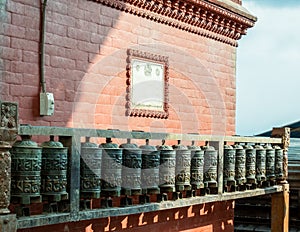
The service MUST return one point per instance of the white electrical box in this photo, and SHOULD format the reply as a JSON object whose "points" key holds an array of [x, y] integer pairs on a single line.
{"points": [[46, 104]]}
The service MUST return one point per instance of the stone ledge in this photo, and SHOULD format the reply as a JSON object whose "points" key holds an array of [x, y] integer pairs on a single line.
{"points": [[50, 219], [8, 223], [82, 132]]}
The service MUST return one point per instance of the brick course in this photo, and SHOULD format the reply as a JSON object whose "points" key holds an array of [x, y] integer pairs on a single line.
{"points": [[85, 62]]}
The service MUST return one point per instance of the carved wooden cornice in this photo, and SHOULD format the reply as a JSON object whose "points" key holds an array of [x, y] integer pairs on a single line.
{"points": [[237, 1], [196, 16]]}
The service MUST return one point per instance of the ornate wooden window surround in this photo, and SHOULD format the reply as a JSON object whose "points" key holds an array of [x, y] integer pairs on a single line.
{"points": [[147, 84]]}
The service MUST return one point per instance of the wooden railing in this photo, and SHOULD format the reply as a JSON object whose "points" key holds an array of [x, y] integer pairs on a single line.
{"points": [[73, 210]]}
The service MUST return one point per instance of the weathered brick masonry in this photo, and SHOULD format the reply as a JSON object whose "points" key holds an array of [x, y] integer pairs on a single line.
{"points": [[85, 62], [85, 68]]}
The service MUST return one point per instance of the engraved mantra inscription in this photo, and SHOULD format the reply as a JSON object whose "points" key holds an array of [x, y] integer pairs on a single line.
{"points": [[147, 85]]}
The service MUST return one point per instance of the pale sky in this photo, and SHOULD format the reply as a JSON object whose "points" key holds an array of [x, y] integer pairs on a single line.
{"points": [[268, 67]]}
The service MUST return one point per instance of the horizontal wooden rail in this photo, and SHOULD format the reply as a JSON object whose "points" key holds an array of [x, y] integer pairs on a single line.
{"points": [[49, 219], [63, 131], [71, 138]]}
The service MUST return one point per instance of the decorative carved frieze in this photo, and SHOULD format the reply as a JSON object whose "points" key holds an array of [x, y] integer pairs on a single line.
{"points": [[5, 177], [195, 16], [8, 121]]}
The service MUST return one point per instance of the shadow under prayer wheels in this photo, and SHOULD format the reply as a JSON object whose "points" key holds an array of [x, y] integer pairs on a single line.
{"points": [[131, 169], [54, 171], [150, 169], [182, 168], [90, 170], [26, 171], [111, 169]]}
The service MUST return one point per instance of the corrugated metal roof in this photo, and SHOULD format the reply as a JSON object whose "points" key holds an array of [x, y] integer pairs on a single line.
{"points": [[295, 130]]}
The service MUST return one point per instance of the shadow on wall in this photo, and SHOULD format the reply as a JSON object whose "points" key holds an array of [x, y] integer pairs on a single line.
{"points": [[195, 100], [76, 32], [85, 50], [193, 219], [85, 43], [4, 91]]}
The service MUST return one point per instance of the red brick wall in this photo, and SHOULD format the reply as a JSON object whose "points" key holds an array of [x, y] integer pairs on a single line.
{"points": [[85, 60], [198, 218]]}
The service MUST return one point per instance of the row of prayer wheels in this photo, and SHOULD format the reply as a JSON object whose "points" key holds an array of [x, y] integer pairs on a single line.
{"points": [[252, 165], [109, 170], [38, 171], [113, 170]]}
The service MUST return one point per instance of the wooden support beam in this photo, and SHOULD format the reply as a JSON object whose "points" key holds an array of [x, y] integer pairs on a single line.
{"points": [[280, 210], [73, 144], [91, 132], [283, 133]]}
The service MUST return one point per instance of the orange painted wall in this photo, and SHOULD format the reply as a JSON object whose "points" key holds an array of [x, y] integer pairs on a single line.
{"points": [[198, 218]]}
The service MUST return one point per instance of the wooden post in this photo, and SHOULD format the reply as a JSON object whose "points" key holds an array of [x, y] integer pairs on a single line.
{"points": [[280, 201], [280, 210], [283, 133], [73, 144]]}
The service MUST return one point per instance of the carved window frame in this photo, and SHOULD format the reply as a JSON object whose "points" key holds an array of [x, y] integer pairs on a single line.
{"points": [[152, 58]]}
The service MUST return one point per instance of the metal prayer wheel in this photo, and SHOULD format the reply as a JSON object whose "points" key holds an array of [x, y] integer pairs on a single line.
{"points": [[5, 173], [278, 162], [197, 163], [26, 171], [131, 168], [54, 170], [167, 169], [250, 164], [90, 170], [240, 164], [229, 165], [150, 169], [183, 167], [111, 169], [260, 163], [210, 166], [270, 162]]}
